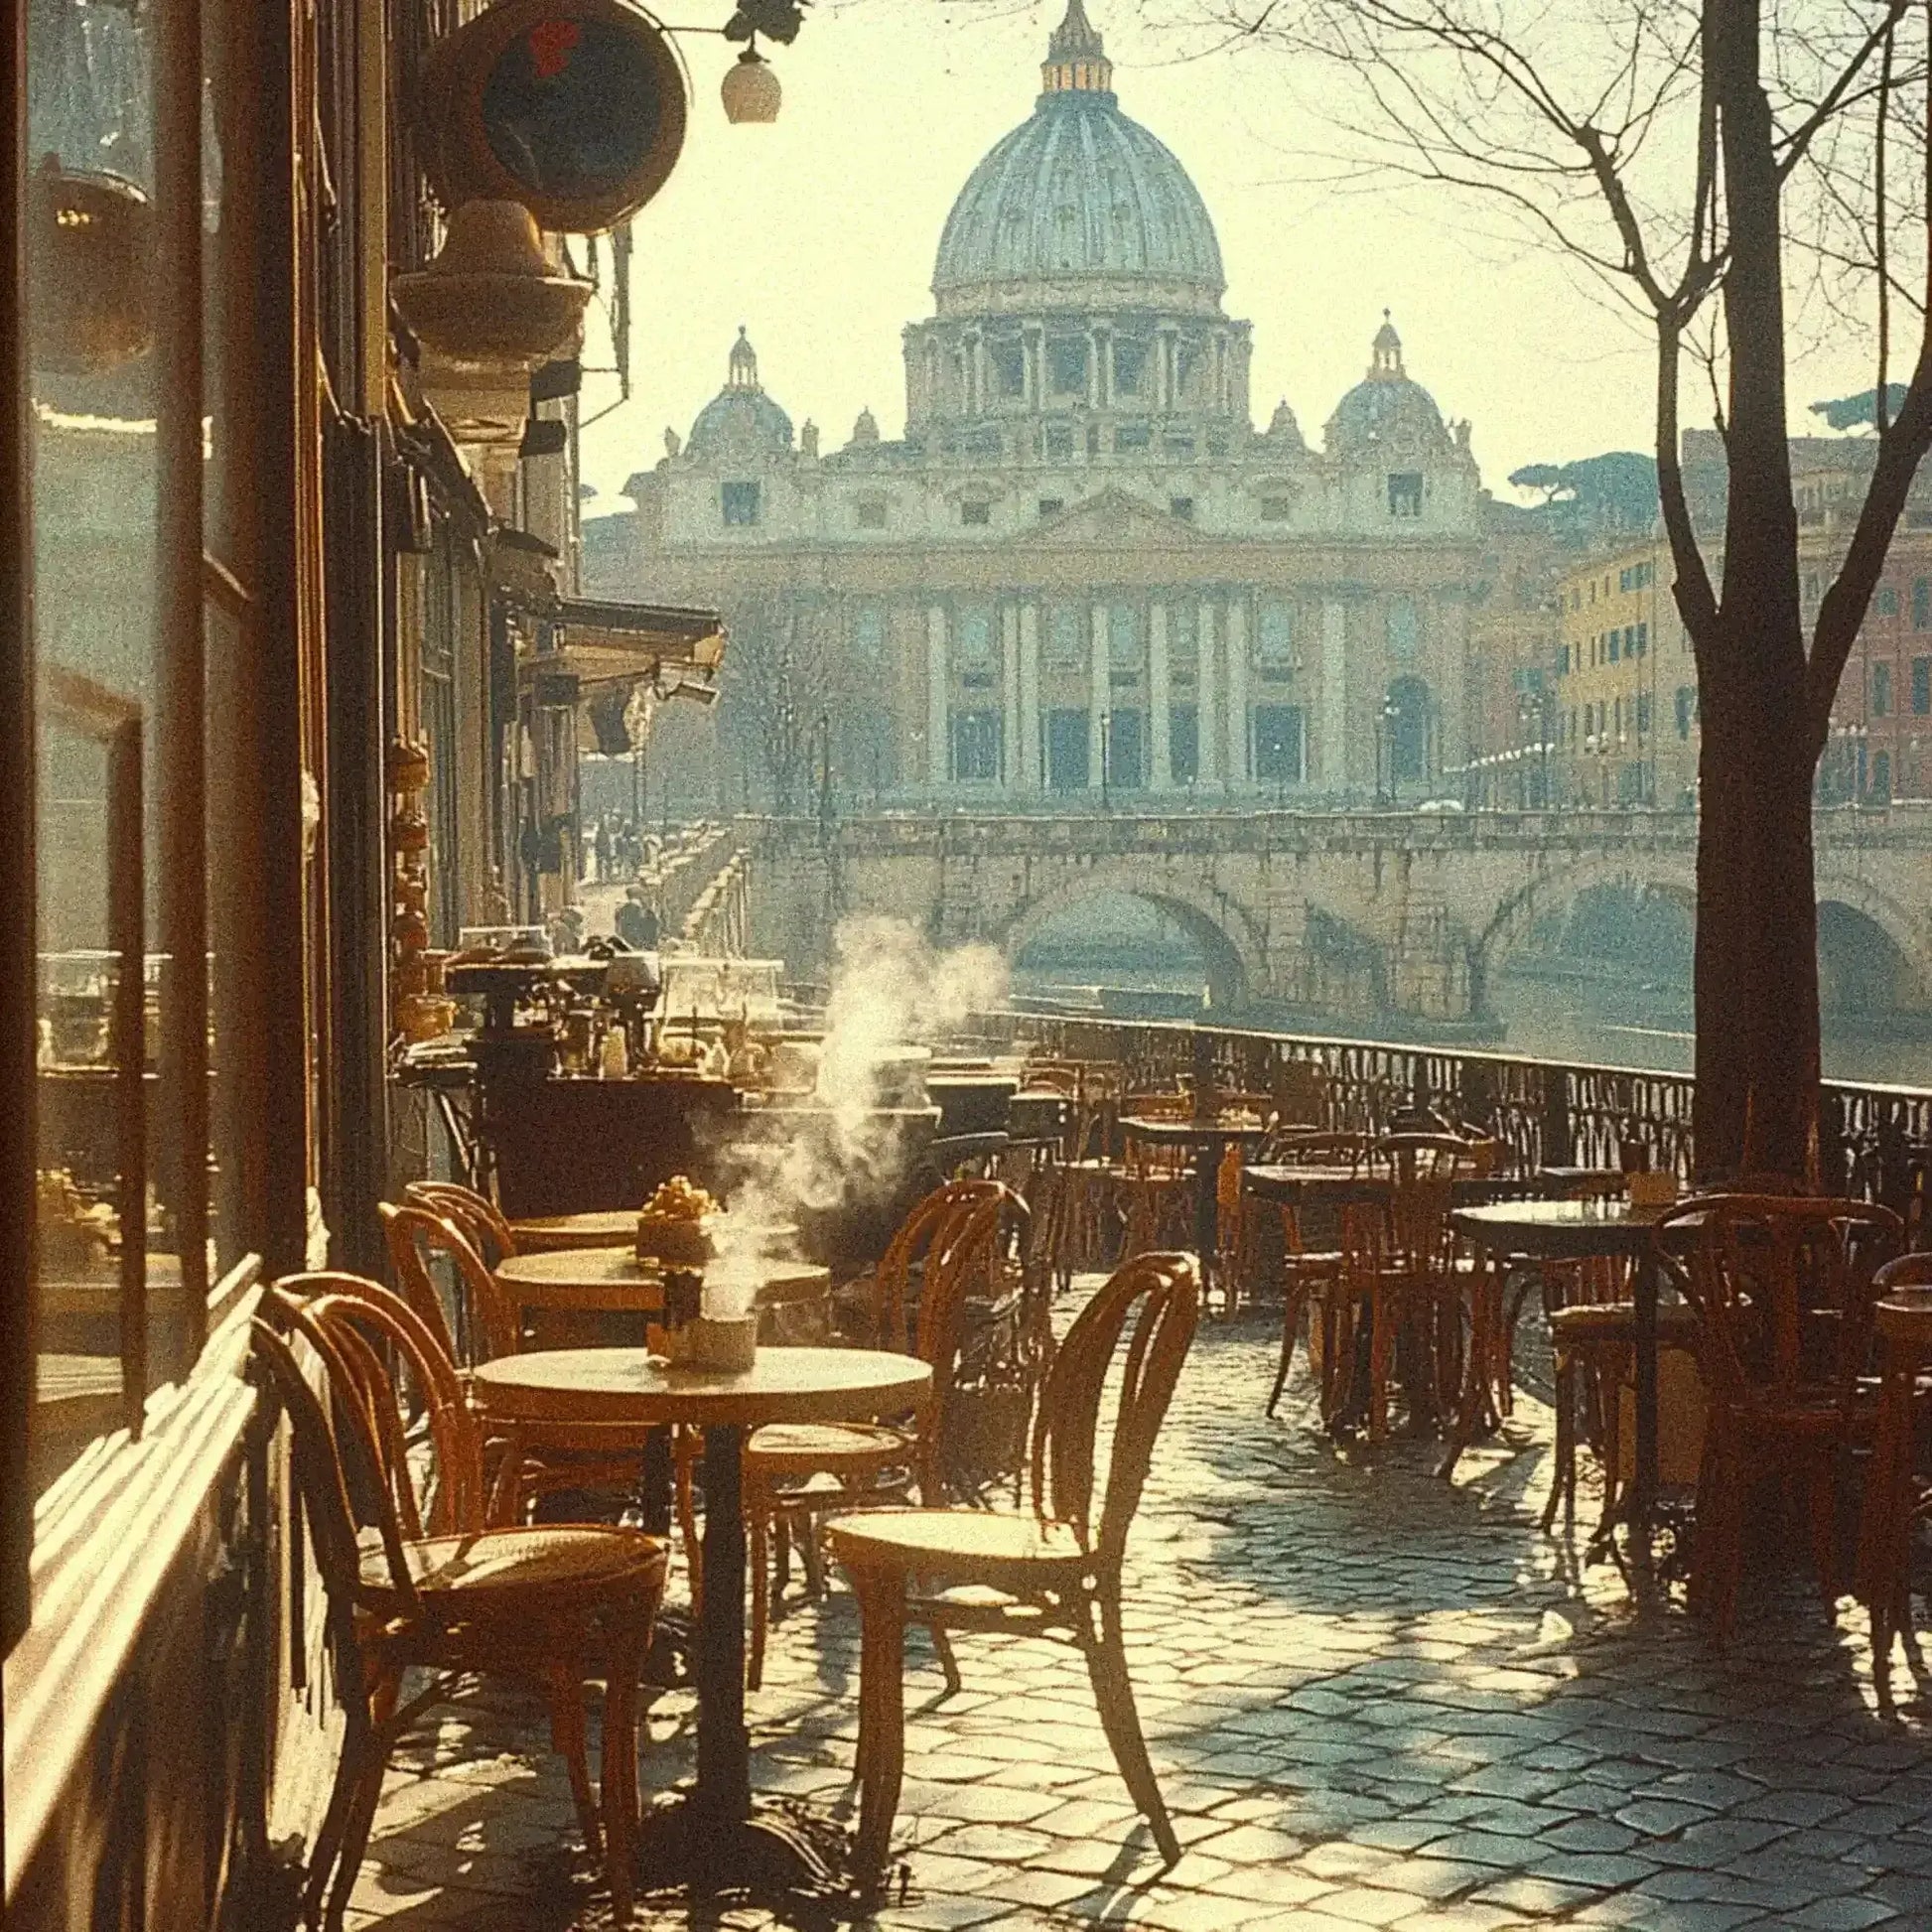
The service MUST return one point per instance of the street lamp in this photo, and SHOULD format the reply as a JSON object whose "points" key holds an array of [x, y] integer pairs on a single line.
{"points": [[1385, 728], [1106, 757]]}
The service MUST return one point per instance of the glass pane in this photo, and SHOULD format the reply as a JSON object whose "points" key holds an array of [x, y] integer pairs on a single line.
{"points": [[91, 241]]}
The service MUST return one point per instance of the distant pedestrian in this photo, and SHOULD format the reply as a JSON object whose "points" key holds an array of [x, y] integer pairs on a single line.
{"points": [[636, 922], [602, 847]]}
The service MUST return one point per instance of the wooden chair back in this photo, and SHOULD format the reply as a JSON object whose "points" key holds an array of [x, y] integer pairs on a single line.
{"points": [[1161, 1293], [1425, 1168], [1912, 1269], [375, 1332], [931, 1228], [1783, 1285], [487, 1319], [1051, 1076], [480, 1218], [1299, 1147], [335, 1454]]}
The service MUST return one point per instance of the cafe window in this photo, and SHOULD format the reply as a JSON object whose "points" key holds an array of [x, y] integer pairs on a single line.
{"points": [[738, 502], [161, 899]]}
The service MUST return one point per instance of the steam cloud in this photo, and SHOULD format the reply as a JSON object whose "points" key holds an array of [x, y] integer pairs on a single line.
{"points": [[889, 989]]}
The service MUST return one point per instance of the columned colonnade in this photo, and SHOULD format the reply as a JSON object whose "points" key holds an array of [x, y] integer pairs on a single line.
{"points": [[1218, 679]]}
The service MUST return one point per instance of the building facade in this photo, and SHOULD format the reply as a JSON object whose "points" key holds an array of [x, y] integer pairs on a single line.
{"points": [[1081, 570], [1625, 678]]}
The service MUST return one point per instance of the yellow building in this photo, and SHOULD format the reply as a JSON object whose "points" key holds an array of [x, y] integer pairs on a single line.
{"points": [[1625, 707]]}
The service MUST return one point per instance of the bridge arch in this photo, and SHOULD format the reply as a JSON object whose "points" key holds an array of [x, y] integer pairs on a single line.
{"points": [[1520, 913], [1233, 961], [1870, 959]]}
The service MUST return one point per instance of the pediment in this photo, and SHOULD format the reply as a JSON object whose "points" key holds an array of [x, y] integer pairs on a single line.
{"points": [[1113, 517]]}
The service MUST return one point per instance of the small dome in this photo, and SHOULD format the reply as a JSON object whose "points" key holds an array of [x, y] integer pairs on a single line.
{"points": [[740, 418], [1077, 191], [1386, 409], [866, 428], [1283, 424]]}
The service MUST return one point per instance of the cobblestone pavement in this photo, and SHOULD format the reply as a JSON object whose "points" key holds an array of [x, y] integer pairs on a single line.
{"points": [[1373, 1700]]}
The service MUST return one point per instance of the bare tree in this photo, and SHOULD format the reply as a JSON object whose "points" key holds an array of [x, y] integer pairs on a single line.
{"points": [[774, 691], [1730, 171]]}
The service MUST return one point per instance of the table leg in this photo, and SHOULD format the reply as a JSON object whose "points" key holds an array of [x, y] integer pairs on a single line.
{"points": [[654, 1483], [1487, 1281], [1206, 1216], [724, 1789], [1643, 1490]]}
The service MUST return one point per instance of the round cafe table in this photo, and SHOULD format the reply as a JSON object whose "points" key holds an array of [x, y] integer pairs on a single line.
{"points": [[604, 1227], [715, 1837], [1566, 1230], [1206, 1138], [1331, 1187], [612, 1280]]}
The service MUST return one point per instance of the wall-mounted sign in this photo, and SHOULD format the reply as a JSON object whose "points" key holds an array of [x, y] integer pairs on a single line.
{"points": [[574, 107]]}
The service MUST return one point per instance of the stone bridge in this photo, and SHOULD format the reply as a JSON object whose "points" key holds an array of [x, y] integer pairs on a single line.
{"points": [[1343, 913]]}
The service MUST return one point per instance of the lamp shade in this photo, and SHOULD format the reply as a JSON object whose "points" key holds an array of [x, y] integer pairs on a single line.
{"points": [[751, 92]]}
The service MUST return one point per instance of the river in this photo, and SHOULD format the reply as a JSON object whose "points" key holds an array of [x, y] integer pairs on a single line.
{"points": [[1595, 1020]]}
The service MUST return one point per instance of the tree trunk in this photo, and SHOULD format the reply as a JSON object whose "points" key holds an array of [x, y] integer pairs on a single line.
{"points": [[1757, 1051], [1758, 1055]]}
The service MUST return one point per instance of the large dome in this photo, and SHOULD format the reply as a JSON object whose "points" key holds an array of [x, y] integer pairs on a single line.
{"points": [[1077, 193]]}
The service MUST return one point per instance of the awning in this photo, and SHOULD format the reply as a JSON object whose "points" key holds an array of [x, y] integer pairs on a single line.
{"points": [[598, 642]]}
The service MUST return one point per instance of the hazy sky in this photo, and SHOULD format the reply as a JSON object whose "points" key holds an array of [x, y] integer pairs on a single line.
{"points": [[818, 233]]}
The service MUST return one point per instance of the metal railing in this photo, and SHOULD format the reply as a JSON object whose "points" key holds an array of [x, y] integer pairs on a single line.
{"points": [[1874, 1142]]}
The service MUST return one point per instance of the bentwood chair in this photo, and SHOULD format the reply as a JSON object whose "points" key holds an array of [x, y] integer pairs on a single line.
{"points": [[486, 1324], [795, 1471], [1049, 1570], [1783, 1287], [481, 1221], [552, 1606], [1895, 1496], [565, 1458], [1156, 1177], [1311, 1277]]}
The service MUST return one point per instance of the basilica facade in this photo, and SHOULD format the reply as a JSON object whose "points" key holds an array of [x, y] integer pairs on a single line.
{"points": [[1081, 570]]}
